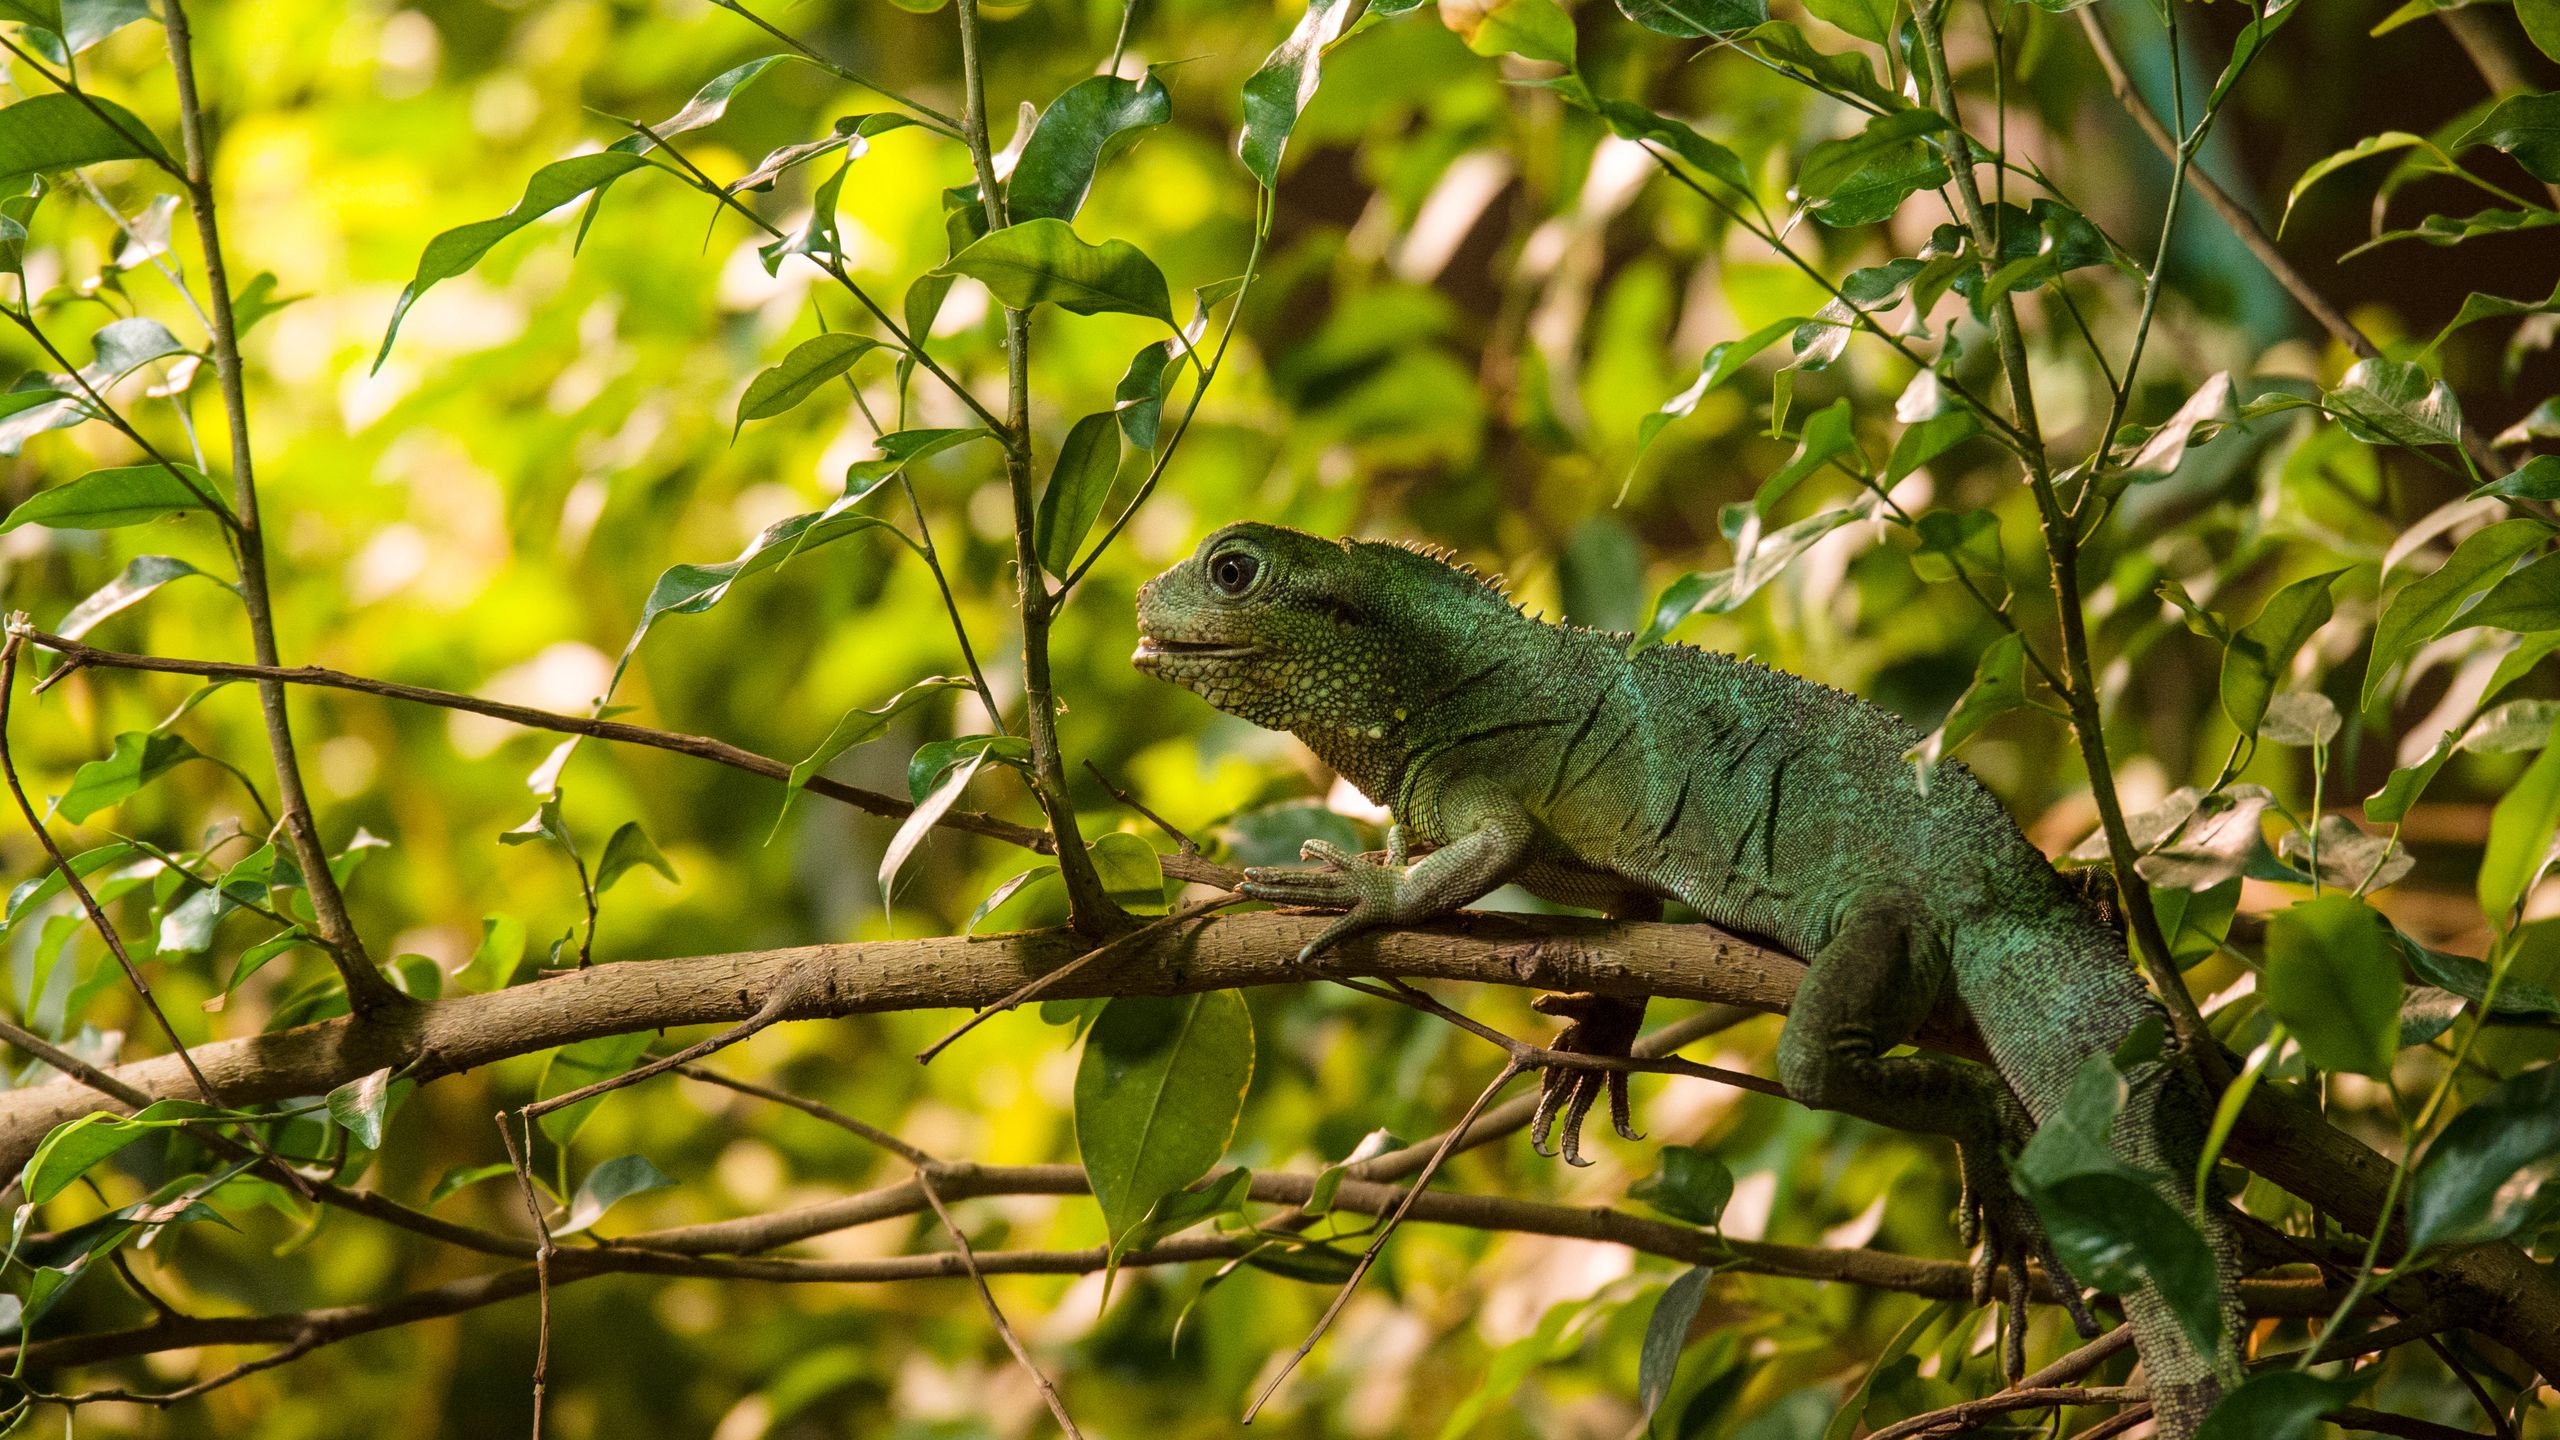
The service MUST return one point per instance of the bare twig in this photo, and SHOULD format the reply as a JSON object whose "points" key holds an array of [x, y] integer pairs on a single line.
{"points": [[794, 987], [1173, 832], [1965, 1414], [1041, 985], [1369, 1256], [542, 1256]]}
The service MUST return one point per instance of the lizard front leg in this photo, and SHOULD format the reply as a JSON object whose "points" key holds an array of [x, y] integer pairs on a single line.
{"points": [[1491, 834], [1867, 992]]}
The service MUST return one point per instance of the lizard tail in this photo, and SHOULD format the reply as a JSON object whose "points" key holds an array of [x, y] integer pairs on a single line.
{"points": [[2162, 1131]]}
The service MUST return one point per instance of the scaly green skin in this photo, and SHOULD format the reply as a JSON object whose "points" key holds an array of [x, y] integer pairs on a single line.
{"points": [[1543, 755]]}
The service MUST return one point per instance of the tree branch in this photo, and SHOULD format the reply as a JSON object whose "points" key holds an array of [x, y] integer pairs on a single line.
{"points": [[368, 990], [2502, 1293], [701, 747]]}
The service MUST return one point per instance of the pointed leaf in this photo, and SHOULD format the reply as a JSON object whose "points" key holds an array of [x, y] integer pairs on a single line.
{"points": [[1045, 261], [111, 499], [810, 364], [1158, 1093], [1057, 165], [1276, 94], [608, 1185], [1078, 484]]}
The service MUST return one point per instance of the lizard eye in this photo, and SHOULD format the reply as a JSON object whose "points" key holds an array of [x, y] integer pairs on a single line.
{"points": [[1234, 573]]}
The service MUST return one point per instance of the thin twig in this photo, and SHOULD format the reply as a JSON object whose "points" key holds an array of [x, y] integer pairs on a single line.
{"points": [[1172, 831], [542, 1256], [1965, 1414], [1369, 1256], [1034, 988], [933, 119], [1538, 1057]]}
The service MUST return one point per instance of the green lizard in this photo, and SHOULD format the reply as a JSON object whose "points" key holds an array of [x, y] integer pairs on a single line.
{"points": [[1544, 755]]}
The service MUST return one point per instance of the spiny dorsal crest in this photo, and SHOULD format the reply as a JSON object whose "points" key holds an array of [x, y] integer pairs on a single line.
{"points": [[1446, 560]]}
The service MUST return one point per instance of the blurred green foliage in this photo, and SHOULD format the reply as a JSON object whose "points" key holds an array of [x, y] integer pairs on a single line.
{"points": [[1473, 299]]}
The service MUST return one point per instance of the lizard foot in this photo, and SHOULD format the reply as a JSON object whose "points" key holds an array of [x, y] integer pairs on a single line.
{"points": [[2002, 1230], [1601, 1025], [1363, 890]]}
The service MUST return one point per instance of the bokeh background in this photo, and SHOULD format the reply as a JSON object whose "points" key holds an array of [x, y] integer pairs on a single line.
{"points": [[1470, 299]]}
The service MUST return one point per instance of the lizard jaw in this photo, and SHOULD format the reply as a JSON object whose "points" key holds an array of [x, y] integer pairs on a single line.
{"points": [[1157, 653]]}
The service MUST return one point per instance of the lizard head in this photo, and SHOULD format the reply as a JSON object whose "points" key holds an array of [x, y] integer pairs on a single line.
{"points": [[1326, 638]]}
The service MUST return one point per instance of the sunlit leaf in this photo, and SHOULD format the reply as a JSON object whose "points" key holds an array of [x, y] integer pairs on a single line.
{"points": [[626, 849], [1689, 19], [2524, 126], [811, 363], [363, 1105], [1866, 177], [1058, 162], [74, 1147], [2392, 402], [858, 727], [1044, 261], [140, 576], [2520, 833], [1276, 94], [112, 499], [139, 758], [45, 133], [458, 249]]}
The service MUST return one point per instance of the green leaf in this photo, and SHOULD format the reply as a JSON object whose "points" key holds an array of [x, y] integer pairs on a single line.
{"points": [[1822, 339], [2485, 1176], [2524, 126], [629, 847], [140, 576], [2443, 230], [111, 499], [1869, 20], [1276, 94], [608, 1185], [858, 727], [1666, 1334], [2423, 607], [574, 1067], [2106, 1218], [2300, 717], [997, 897], [2536, 479], [139, 757], [1721, 362], [1078, 484], [1866, 177], [1999, 686], [2527, 600], [86, 22], [1960, 542], [362, 1106], [931, 762], [2541, 21], [1530, 29], [692, 589], [1158, 1093], [1045, 261], [2281, 1404], [2333, 978], [255, 958], [2520, 833], [1066, 147], [257, 300], [707, 105], [816, 236], [1635, 122], [2213, 405], [1828, 433], [930, 808], [1689, 19], [1688, 1183], [1222, 1194], [495, 960], [1721, 591], [30, 895], [810, 364], [458, 249], [75, 1147], [2258, 656], [45, 133], [1784, 44], [2391, 402], [1926, 441], [1132, 873], [2245, 46], [2477, 307], [2364, 149], [463, 1176]]}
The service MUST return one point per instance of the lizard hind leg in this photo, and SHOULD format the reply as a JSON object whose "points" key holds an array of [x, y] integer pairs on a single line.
{"points": [[1865, 993], [1599, 1025]]}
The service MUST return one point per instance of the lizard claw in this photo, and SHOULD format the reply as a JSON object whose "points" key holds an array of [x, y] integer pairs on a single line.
{"points": [[1363, 891], [1600, 1025], [2001, 1228]]}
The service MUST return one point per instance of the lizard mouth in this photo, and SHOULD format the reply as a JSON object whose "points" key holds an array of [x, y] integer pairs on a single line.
{"points": [[1156, 650]]}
